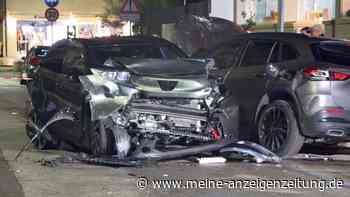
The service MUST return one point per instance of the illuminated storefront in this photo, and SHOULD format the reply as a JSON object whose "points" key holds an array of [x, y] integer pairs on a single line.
{"points": [[299, 11], [27, 27], [345, 8]]}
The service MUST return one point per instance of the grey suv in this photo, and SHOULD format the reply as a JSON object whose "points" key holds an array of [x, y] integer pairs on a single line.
{"points": [[287, 88]]}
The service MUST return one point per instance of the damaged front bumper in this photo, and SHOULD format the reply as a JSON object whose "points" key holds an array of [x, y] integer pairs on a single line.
{"points": [[230, 150], [105, 97]]}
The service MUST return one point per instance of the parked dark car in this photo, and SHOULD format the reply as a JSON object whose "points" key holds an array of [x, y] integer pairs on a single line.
{"points": [[288, 88], [32, 60], [129, 96]]}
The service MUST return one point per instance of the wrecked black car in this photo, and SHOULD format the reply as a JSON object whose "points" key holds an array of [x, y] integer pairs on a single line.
{"points": [[125, 105]]}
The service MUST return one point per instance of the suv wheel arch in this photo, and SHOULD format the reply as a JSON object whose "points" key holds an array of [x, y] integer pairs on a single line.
{"points": [[280, 95]]}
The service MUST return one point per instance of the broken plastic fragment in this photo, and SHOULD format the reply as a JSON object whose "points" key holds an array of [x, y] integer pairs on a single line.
{"points": [[211, 160]]}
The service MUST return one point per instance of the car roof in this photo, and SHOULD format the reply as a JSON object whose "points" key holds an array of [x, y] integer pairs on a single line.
{"points": [[124, 40], [286, 36]]}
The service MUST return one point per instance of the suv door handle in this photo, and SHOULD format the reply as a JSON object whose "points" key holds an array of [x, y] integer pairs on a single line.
{"points": [[260, 75]]}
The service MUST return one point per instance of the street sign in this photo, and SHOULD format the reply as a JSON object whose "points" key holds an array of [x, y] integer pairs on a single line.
{"points": [[130, 10], [52, 14], [52, 3]]}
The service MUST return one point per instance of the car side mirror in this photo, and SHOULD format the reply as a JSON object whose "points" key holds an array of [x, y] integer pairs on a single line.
{"points": [[272, 71]]}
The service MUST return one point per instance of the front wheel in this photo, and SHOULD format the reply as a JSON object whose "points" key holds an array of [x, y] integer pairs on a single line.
{"points": [[278, 129], [44, 141], [101, 139]]}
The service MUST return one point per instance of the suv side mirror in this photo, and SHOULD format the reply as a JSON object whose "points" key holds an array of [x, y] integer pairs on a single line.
{"points": [[272, 71]]}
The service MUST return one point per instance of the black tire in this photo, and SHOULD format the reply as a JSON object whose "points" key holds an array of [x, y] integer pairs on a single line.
{"points": [[101, 140], [278, 129]]}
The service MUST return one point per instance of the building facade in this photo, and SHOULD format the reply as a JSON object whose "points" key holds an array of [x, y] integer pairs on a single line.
{"points": [[24, 24], [299, 13]]}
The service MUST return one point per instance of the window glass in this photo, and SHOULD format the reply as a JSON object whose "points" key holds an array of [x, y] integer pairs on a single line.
{"points": [[41, 51], [171, 52], [276, 54], [316, 9], [228, 55], [99, 54], [54, 59], [283, 52], [73, 63], [332, 52], [289, 52], [257, 53]]}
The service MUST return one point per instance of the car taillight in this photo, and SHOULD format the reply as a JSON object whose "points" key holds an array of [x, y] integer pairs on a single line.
{"points": [[318, 74], [34, 61], [337, 76]]}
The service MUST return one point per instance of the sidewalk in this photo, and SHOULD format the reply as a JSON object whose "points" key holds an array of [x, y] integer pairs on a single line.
{"points": [[7, 61], [9, 186]]}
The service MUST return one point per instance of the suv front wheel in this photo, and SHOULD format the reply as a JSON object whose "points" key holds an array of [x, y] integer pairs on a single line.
{"points": [[278, 129]]}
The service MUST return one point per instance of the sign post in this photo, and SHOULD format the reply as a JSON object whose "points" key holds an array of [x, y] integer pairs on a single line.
{"points": [[130, 11], [51, 13], [52, 3]]}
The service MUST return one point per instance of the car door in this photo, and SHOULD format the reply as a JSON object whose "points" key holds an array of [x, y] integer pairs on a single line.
{"points": [[285, 57], [246, 83], [226, 57], [69, 91], [68, 86], [50, 67]]}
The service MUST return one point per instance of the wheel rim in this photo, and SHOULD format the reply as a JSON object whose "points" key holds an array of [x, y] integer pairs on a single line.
{"points": [[41, 141], [273, 129]]}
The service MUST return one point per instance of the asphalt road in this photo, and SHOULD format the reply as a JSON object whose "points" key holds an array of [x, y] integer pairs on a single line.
{"points": [[28, 176]]}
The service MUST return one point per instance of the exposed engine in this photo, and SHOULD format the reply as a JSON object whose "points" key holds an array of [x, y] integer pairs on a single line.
{"points": [[177, 119], [165, 123], [155, 112]]}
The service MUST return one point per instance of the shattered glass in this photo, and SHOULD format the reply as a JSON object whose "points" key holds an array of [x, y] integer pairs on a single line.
{"points": [[195, 34]]}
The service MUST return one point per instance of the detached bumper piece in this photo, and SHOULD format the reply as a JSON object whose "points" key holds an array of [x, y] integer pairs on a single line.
{"points": [[231, 151], [62, 115], [108, 161], [242, 150], [245, 150]]}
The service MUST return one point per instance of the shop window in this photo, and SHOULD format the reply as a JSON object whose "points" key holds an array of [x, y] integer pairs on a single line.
{"points": [[266, 10], [346, 8], [314, 10]]}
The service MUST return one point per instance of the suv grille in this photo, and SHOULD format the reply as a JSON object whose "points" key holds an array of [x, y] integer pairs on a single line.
{"points": [[167, 85]]}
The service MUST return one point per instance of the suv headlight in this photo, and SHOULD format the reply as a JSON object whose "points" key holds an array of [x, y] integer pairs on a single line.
{"points": [[115, 76]]}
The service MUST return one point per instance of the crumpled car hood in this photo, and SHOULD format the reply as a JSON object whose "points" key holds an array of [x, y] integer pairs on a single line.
{"points": [[164, 68]]}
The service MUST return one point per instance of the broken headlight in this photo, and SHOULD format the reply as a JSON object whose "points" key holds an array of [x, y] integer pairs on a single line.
{"points": [[116, 76]]}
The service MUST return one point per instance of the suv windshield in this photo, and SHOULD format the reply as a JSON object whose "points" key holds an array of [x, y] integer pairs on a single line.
{"points": [[99, 54], [336, 52]]}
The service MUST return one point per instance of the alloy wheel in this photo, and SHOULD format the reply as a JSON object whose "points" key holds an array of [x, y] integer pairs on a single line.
{"points": [[273, 129]]}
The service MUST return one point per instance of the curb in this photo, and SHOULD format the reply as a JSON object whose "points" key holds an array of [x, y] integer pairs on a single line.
{"points": [[10, 77], [7, 66]]}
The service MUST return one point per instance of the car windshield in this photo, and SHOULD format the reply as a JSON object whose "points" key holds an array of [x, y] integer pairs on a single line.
{"points": [[99, 54], [336, 52]]}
